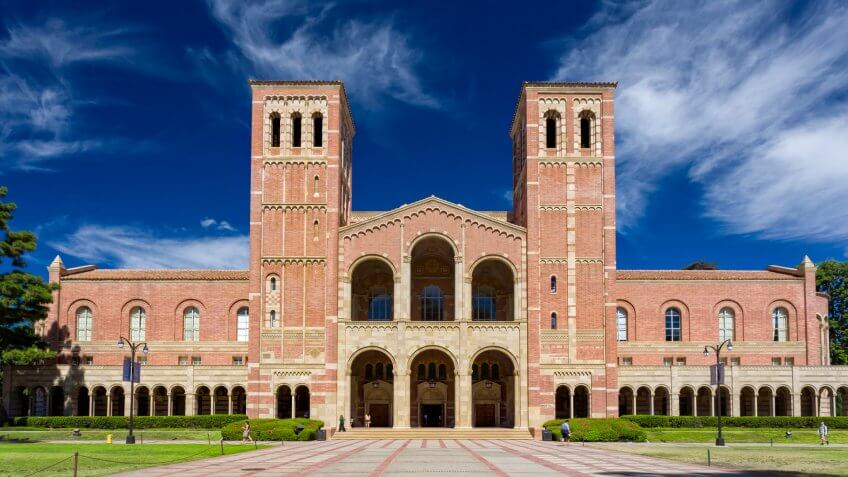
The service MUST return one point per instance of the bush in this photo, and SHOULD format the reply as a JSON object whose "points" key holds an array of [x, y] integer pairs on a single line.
{"points": [[739, 421], [273, 429], [214, 421], [599, 430]]}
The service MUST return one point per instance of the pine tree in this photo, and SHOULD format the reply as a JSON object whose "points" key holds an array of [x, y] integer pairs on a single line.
{"points": [[832, 278]]}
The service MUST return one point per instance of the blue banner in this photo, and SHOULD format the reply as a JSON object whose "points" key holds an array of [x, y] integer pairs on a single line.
{"points": [[131, 370]]}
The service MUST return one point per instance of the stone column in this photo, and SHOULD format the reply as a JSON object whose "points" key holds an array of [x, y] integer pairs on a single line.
{"points": [[109, 403], [516, 401], [634, 402], [589, 403], [170, 404], [190, 404], [458, 289], [91, 404], [712, 406], [401, 399], [463, 398], [773, 399], [674, 405], [651, 403], [571, 403], [756, 404], [293, 410], [229, 403]]}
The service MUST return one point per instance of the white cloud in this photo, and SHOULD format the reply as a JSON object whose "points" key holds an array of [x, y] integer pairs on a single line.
{"points": [[372, 58], [132, 247], [208, 222], [747, 97]]}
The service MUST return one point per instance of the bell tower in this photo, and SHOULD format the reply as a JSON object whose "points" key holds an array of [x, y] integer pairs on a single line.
{"points": [[300, 189], [564, 194]]}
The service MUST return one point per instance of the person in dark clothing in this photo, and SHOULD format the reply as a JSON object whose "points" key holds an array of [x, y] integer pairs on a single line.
{"points": [[341, 424]]}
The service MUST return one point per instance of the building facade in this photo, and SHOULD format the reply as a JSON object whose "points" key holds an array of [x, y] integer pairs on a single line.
{"points": [[433, 314]]}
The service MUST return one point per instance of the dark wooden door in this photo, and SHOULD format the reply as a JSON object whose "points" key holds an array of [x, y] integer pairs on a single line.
{"points": [[379, 415], [484, 415]]}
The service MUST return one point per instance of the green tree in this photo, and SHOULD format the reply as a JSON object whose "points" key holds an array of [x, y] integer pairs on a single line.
{"points": [[23, 297], [701, 265], [832, 278]]}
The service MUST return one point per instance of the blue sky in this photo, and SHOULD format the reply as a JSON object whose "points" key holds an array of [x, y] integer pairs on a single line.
{"points": [[124, 126]]}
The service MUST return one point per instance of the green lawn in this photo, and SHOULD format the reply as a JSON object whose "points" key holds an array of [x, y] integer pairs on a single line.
{"points": [[744, 435], [22, 459], [35, 434], [812, 460]]}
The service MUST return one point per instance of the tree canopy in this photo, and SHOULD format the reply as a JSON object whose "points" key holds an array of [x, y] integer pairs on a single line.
{"points": [[832, 278], [23, 297], [701, 265]]}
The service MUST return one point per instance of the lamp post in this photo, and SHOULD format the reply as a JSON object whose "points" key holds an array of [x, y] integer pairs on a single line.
{"points": [[133, 348], [719, 439]]}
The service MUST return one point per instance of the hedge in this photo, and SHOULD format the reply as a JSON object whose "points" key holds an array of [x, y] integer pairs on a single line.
{"points": [[598, 430], [273, 429], [738, 421], [214, 421]]}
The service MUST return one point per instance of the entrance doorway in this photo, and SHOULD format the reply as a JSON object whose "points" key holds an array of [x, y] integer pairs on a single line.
{"points": [[493, 390], [432, 415], [484, 415], [372, 379], [379, 415]]}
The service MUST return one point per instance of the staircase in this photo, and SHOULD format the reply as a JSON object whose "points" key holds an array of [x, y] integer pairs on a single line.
{"points": [[433, 433]]}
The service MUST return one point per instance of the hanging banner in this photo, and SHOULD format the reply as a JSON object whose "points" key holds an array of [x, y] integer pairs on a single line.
{"points": [[717, 374], [131, 370]]}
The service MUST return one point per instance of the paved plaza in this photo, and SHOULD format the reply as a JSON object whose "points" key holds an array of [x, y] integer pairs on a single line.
{"points": [[413, 457]]}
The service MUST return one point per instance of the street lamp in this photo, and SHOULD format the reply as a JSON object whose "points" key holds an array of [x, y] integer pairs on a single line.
{"points": [[719, 439], [133, 348]]}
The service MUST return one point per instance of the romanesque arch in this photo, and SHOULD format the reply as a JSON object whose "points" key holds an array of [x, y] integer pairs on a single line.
{"points": [[372, 388], [372, 290], [285, 402], [492, 290], [432, 388], [493, 396], [433, 290]]}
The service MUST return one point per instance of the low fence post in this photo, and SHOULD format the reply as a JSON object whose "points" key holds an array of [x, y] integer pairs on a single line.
{"points": [[76, 463], [222, 446], [708, 456]]}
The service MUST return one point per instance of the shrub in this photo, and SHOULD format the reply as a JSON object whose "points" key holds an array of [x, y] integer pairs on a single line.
{"points": [[739, 421], [214, 421], [273, 429], [599, 430]]}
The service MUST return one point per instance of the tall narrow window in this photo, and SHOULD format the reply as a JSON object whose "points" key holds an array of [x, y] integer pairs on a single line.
{"points": [[295, 130], [779, 317], [431, 303], [378, 370], [484, 371], [553, 321], [272, 284], [672, 324], [585, 131], [431, 371], [242, 324], [315, 230], [379, 304], [138, 323], [317, 130], [191, 324], [484, 304], [553, 284], [621, 324], [443, 372], [315, 182], [275, 130], [272, 319], [550, 132], [369, 371], [496, 371], [726, 319], [421, 372], [84, 323]]}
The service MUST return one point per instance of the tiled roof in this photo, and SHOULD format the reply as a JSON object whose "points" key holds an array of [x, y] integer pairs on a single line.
{"points": [[360, 215], [130, 275], [703, 275]]}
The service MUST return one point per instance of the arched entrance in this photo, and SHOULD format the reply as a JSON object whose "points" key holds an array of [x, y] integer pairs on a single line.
{"points": [[686, 402], [625, 401], [142, 401], [704, 405], [432, 393], [747, 401], [808, 402], [372, 389], [99, 401], [783, 402], [825, 402], [39, 407], [432, 280], [643, 400], [764, 402], [724, 403], [581, 401], [562, 402], [492, 390], [239, 398], [221, 401], [842, 401], [492, 285], [301, 402], [57, 401], [372, 291], [160, 401], [285, 403], [117, 399], [661, 401], [83, 401], [178, 401], [203, 399]]}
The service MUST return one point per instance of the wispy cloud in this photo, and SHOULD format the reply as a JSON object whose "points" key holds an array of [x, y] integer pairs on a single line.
{"points": [[37, 101], [746, 97], [133, 247], [209, 222], [374, 58]]}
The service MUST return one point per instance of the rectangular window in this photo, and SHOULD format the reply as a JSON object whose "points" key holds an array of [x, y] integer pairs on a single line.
{"points": [[242, 326], [681, 361], [142, 360], [775, 361], [668, 361], [182, 360], [238, 360], [195, 360], [672, 327], [627, 361], [317, 131], [789, 361], [484, 307], [735, 361], [296, 131]]}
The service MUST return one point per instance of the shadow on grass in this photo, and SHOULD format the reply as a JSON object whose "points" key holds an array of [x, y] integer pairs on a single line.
{"points": [[17, 440]]}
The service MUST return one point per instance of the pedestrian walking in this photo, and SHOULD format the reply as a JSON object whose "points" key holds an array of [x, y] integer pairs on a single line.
{"points": [[823, 434], [245, 432], [367, 420], [565, 429], [341, 424]]}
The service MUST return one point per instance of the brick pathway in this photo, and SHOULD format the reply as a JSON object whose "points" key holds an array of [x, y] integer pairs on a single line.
{"points": [[413, 457]]}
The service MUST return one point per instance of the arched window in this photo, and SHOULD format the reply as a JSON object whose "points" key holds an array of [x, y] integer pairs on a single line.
{"points": [[431, 371], [83, 323], [553, 321], [431, 303], [272, 319], [275, 130], [242, 324], [474, 372], [779, 317], [672, 324], [369, 371], [726, 324], [295, 129], [496, 371], [315, 181], [315, 230], [138, 323], [621, 324], [389, 372], [272, 284], [443, 372], [317, 130], [422, 372], [550, 132], [585, 130], [379, 304], [483, 306], [378, 370], [484, 370], [553, 284], [191, 324]]}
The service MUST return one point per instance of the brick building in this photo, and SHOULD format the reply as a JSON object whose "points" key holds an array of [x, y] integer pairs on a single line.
{"points": [[433, 314]]}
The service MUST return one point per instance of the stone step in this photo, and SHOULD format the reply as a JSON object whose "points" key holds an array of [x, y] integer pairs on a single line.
{"points": [[433, 433]]}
